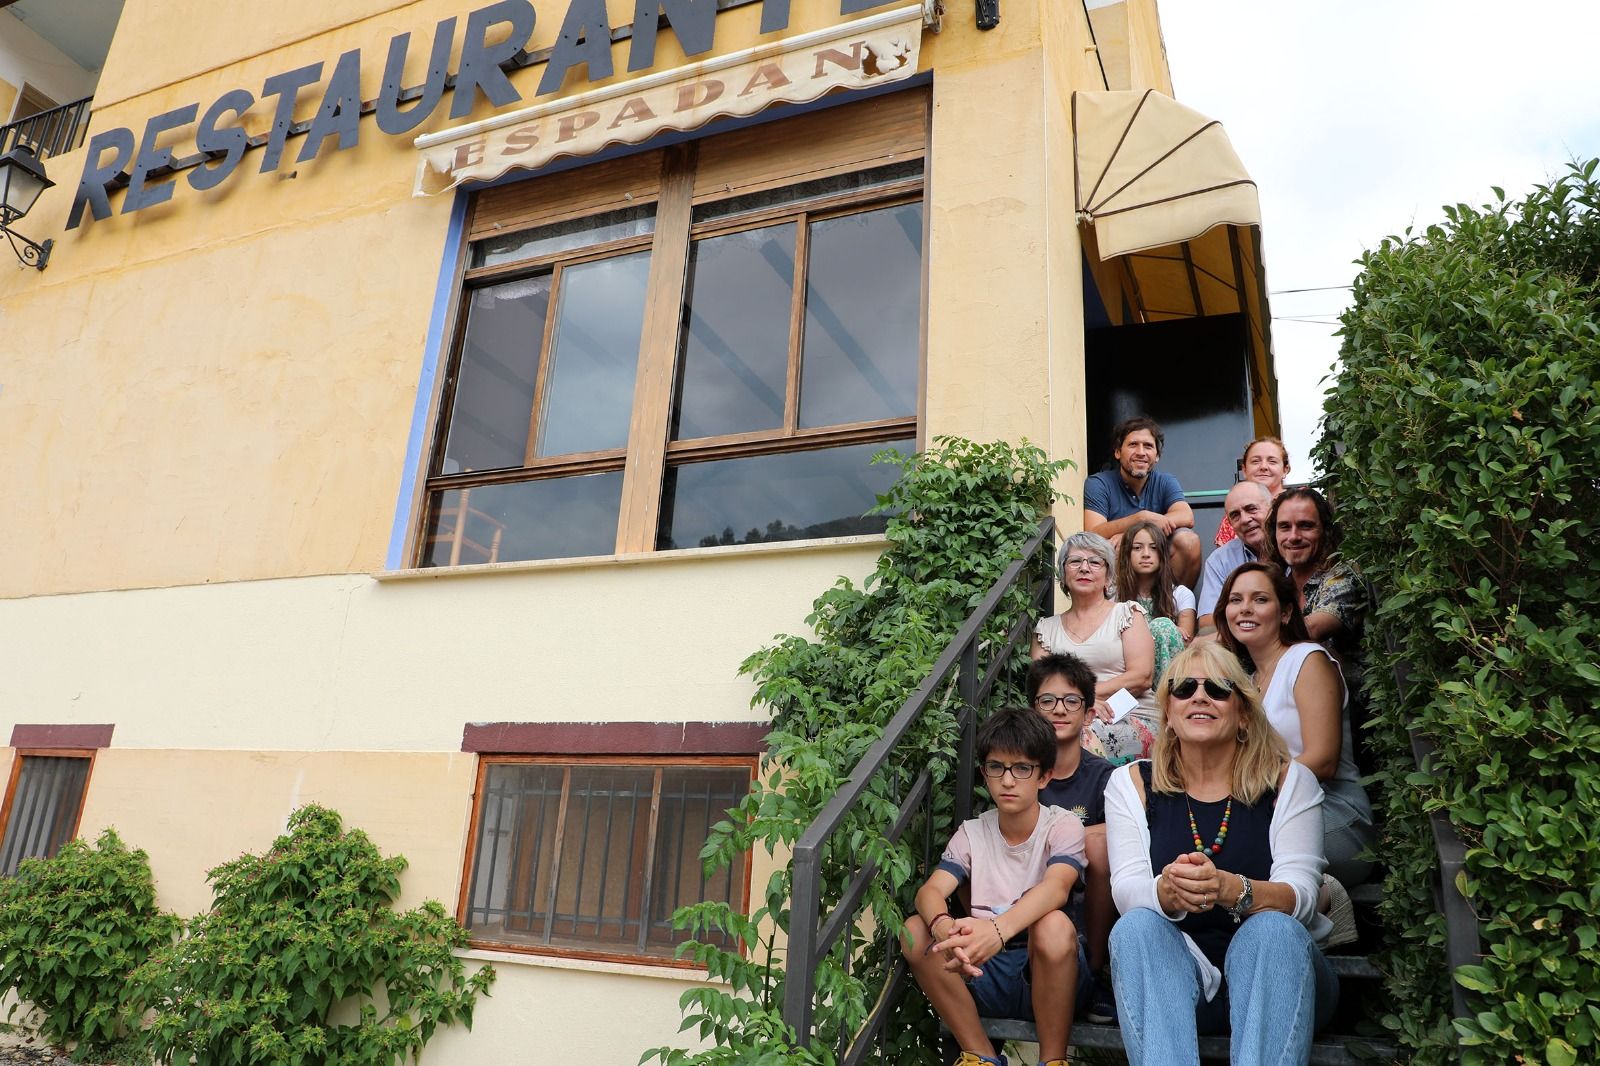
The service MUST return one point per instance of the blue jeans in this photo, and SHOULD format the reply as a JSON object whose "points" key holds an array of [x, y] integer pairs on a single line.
{"points": [[1277, 989]]}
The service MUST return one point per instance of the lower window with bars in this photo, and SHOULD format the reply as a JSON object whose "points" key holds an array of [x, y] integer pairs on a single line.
{"points": [[42, 803], [592, 858]]}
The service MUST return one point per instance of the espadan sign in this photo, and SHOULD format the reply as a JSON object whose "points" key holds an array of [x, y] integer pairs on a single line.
{"points": [[115, 158]]}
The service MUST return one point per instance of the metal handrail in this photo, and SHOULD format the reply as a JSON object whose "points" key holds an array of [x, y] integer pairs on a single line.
{"points": [[811, 934], [53, 132], [1462, 944]]}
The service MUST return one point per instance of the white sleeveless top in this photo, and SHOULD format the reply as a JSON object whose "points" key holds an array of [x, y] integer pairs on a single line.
{"points": [[1102, 652], [1284, 714]]}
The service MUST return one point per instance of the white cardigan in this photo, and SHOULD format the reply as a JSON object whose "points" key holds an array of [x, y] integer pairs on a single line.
{"points": [[1295, 839]]}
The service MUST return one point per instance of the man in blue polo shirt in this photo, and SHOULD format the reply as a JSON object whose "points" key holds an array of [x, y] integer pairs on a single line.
{"points": [[1115, 500]]}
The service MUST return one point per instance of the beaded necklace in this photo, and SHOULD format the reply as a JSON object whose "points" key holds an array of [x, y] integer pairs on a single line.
{"points": [[1222, 831]]}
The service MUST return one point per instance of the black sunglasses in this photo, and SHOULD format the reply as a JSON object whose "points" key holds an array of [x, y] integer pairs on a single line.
{"points": [[1184, 687]]}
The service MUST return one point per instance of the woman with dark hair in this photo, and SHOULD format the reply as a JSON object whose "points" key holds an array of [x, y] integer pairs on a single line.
{"points": [[1144, 576], [1216, 860], [1304, 700]]}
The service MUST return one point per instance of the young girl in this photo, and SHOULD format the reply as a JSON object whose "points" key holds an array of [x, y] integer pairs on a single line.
{"points": [[1144, 575]]}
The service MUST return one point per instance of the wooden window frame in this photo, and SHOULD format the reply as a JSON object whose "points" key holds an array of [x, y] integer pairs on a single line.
{"points": [[675, 193], [659, 762], [47, 753]]}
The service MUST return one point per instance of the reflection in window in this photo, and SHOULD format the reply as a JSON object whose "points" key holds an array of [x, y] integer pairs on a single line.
{"points": [[556, 518], [594, 355], [735, 339], [565, 236], [497, 374], [863, 310], [568, 855], [788, 496]]}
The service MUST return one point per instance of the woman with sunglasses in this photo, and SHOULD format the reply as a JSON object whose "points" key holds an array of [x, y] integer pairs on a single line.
{"points": [[1112, 638], [1304, 697], [1216, 860]]}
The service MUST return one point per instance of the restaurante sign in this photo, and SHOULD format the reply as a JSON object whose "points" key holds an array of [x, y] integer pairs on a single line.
{"points": [[114, 158]]}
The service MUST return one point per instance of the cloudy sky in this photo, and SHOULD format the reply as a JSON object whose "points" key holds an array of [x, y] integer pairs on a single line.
{"points": [[1361, 118]]}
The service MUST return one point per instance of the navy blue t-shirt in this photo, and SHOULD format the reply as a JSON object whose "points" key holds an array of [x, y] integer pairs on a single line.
{"points": [[1107, 494], [1084, 793]]}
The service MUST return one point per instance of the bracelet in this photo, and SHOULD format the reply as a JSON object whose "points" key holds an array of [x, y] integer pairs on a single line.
{"points": [[935, 921], [998, 933]]}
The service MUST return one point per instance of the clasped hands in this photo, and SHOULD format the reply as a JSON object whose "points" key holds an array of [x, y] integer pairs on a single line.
{"points": [[1193, 882], [968, 944]]}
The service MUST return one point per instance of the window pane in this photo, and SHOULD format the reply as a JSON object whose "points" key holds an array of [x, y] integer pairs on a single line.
{"points": [[566, 236], [44, 809], [792, 496], [692, 801], [809, 190], [558, 518], [863, 306], [734, 346], [590, 878], [593, 355], [496, 374]]}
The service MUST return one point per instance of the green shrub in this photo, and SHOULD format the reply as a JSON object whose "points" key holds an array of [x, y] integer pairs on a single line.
{"points": [[295, 937], [1462, 437], [72, 928], [959, 513]]}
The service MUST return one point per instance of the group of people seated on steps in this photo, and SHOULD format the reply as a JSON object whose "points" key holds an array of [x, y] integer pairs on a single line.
{"points": [[1178, 813]]}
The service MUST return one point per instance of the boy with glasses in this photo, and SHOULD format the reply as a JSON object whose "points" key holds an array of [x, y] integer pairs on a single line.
{"points": [[1015, 954], [1061, 689]]}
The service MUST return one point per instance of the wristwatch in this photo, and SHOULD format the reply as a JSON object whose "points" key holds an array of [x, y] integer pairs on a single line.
{"points": [[1247, 898]]}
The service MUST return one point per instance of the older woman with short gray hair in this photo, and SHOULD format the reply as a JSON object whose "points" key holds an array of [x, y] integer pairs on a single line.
{"points": [[1113, 638]]}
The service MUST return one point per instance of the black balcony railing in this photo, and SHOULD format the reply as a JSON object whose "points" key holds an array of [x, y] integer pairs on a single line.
{"points": [[52, 132]]}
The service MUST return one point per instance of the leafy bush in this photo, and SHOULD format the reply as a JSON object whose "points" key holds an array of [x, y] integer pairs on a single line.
{"points": [[959, 513], [72, 928], [1462, 437], [292, 938]]}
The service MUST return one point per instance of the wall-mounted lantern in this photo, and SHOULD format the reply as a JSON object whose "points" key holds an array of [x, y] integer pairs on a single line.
{"points": [[21, 181]]}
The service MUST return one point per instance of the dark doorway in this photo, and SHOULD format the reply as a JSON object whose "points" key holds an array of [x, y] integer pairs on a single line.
{"points": [[1192, 377]]}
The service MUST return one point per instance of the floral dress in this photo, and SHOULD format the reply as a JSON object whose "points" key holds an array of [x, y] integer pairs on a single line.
{"points": [[1168, 638]]}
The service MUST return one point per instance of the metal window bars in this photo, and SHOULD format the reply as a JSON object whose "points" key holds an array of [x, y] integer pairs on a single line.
{"points": [[812, 934], [597, 856], [44, 808]]}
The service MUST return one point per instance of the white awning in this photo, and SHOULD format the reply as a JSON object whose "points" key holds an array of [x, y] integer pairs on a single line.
{"points": [[1151, 172], [876, 50]]}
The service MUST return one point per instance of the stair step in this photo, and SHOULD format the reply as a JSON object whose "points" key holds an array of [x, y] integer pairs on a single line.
{"points": [[1353, 966], [1329, 1050]]}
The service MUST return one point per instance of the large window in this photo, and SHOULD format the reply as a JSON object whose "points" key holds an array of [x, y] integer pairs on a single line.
{"points": [[594, 856], [42, 803], [693, 347]]}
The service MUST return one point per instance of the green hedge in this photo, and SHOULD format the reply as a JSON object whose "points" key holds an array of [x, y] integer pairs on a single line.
{"points": [[1462, 439]]}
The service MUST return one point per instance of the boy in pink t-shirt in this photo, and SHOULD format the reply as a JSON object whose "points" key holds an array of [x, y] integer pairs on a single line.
{"points": [[1016, 954]]}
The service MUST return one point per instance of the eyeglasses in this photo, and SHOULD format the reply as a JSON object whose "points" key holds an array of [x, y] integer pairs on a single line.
{"points": [[1184, 687], [994, 769], [1084, 563], [1047, 702]]}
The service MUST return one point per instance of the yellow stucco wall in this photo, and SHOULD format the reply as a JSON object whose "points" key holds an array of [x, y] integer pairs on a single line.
{"points": [[8, 99], [350, 663], [207, 405]]}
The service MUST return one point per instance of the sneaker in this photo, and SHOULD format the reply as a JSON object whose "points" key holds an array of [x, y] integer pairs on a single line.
{"points": [[972, 1058], [1102, 1002], [1340, 913]]}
